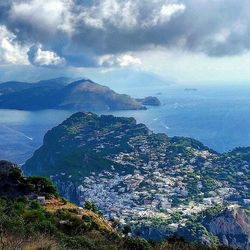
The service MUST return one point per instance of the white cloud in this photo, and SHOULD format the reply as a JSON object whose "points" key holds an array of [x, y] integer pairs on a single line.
{"points": [[127, 60], [123, 60], [64, 15], [121, 14], [47, 15], [99, 27], [164, 14], [40, 57], [129, 14], [168, 10], [11, 52]]}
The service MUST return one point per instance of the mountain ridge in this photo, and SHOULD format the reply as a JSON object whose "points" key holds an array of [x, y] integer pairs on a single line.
{"points": [[61, 93]]}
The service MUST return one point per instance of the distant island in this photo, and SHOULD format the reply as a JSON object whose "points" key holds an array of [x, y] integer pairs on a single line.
{"points": [[150, 101], [62, 93]]}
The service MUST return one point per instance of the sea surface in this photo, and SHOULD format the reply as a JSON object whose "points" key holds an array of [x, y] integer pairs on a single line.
{"points": [[218, 116]]}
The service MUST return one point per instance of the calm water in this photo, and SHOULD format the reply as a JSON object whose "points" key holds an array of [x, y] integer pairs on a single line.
{"points": [[217, 116]]}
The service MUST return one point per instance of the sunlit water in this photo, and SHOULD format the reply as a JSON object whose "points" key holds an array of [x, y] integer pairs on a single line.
{"points": [[217, 116]]}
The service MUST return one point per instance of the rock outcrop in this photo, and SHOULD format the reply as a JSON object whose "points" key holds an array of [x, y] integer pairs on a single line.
{"points": [[232, 227], [228, 226]]}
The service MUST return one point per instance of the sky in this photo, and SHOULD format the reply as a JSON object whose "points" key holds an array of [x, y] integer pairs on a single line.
{"points": [[171, 41]]}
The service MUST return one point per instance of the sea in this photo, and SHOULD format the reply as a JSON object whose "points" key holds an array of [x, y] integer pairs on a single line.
{"points": [[216, 115]]}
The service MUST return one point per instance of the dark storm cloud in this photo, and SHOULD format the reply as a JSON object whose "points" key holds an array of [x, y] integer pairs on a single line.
{"points": [[82, 31]]}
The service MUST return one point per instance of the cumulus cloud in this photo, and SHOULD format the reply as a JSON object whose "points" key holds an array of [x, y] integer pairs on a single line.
{"points": [[126, 60], [123, 60], [120, 14], [99, 27], [41, 17], [11, 51], [212, 27], [40, 57], [116, 26], [167, 11], [96, 32]]}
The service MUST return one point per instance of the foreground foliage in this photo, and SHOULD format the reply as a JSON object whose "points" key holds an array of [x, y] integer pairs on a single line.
{"points": [[34, 216]]}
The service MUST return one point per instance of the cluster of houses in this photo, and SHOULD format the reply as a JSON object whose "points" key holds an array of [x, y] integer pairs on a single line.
{"points": [[146, 186]]}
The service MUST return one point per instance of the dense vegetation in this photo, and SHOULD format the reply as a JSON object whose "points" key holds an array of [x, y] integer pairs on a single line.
{"points": [[13, 184], [31, 211], [23, 222]]}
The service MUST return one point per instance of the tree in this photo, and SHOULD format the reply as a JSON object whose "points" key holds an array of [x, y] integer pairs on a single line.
{"points": [[126, 229], [91, 206]]}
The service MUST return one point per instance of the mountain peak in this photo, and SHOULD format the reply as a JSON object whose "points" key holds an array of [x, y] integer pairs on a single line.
{"points": [[83, 80]]}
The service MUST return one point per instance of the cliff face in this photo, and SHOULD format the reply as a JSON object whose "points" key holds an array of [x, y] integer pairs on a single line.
{"points": [[68, 189], [232, 227], [228, 226]]}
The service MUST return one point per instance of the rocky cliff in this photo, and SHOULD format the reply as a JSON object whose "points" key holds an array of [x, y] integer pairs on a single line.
{"points": [[232, 227], [228, 226]]}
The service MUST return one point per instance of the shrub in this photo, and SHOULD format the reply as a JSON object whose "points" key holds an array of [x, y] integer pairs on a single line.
{"points": [[63, 214], [91, 206], [43, 185], [78, 242], [137, 243], [33, 215], [16, 173], [36, 205], [64, 200]]}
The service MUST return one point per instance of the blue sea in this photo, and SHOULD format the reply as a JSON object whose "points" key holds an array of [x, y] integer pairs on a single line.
{"points": [[218, 116]]}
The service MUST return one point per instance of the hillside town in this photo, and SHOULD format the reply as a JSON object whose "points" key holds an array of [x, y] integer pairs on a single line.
{"points": [[131, 173], [153, 188]]}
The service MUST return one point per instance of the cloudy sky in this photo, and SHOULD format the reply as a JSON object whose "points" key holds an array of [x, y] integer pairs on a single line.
{"points": [[170, 40]]}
